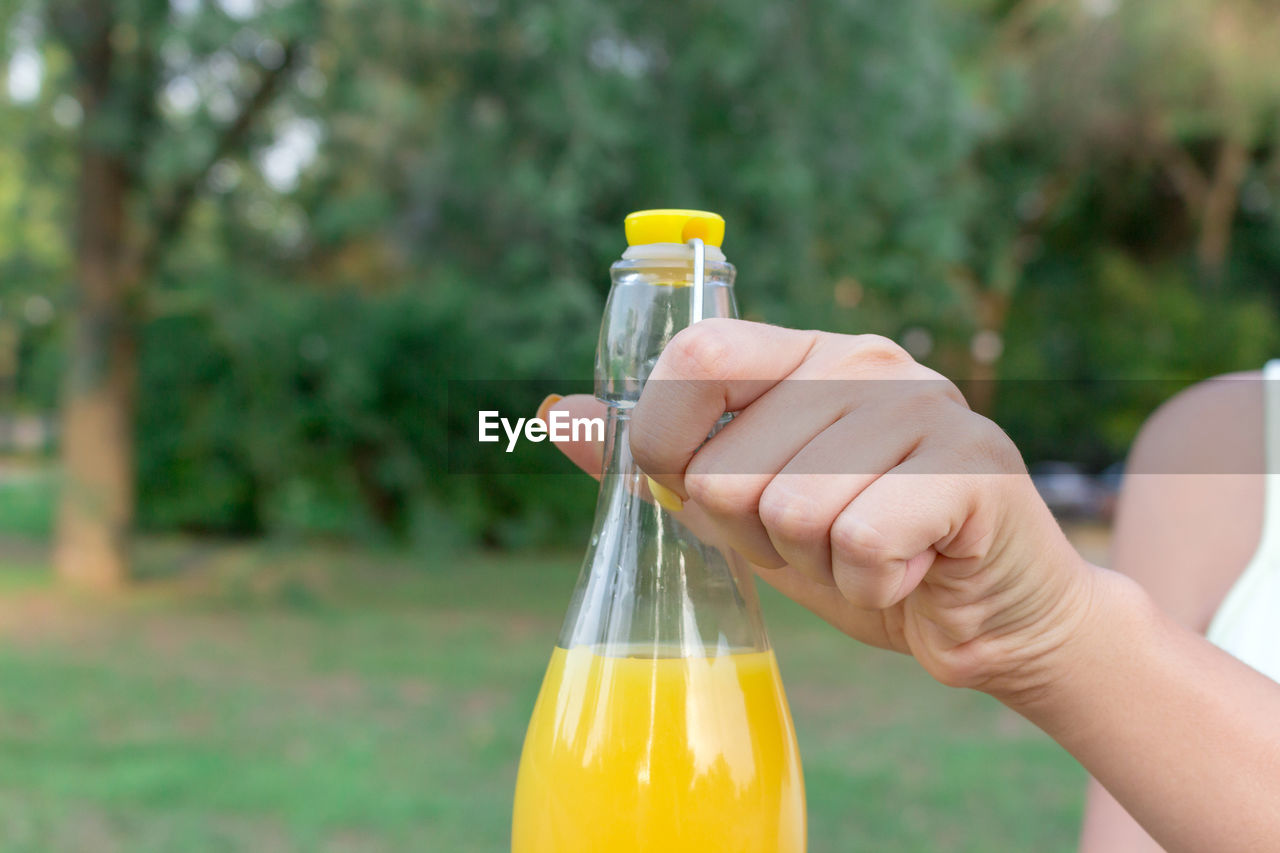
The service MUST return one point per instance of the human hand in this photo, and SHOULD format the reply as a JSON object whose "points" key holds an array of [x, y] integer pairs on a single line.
{"points": [[860, 484]]}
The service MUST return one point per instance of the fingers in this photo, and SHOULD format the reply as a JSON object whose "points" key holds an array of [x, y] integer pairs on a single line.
{"points": [[800, 504], [711, 368], [801, 427], [888, 537], [587, 455], [859, 494], [730, 472], [720, 366]]}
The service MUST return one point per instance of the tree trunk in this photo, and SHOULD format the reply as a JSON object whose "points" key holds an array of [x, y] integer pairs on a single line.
{"points": [[992, 310], [981, 390], [91, 548], [1219, 211], [9, 342]]}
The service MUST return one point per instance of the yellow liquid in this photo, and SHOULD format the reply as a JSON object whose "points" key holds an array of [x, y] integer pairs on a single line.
{"points": [[636, 755]]}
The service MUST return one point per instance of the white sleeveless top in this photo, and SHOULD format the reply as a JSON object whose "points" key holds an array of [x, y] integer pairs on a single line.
{"points": [[1248, 623]]}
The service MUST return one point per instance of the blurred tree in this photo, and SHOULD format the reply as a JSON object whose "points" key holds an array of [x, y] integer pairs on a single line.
{"points": [[1106, 127], [1184, 85], [127, 216], [477, 167], [438, 190], [34, 250]]}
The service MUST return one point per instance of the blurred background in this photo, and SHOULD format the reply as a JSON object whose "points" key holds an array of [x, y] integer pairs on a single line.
{"points": [[256, 591]]}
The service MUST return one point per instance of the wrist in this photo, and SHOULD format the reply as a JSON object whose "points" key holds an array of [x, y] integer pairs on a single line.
{"points": [[1104, 614]]}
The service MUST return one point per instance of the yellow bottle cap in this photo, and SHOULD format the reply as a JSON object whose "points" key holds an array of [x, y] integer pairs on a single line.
{"points": [[674, 226]]}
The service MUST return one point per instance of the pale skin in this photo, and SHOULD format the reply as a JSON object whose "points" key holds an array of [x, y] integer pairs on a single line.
{"points": [[1188, 522], [937, 545]]}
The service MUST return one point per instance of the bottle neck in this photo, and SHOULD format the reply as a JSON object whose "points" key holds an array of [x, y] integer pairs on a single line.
{"points": [[649, 585], [650, 302]]}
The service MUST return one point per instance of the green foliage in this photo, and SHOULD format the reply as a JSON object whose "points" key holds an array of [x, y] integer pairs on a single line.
{"points": [[311, 413], [827, 136], [463, 175], [470, 238], [1140, 334]]}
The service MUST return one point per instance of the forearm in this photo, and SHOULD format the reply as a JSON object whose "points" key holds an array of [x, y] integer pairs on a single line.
{"points": [[1186, 737]]}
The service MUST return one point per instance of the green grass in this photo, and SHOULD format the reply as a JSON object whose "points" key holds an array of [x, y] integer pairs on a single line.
{"points": [[27, 499], [259, 698]]}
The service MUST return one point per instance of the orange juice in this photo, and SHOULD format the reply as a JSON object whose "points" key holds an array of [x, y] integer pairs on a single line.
{"points": [[666, 755]]}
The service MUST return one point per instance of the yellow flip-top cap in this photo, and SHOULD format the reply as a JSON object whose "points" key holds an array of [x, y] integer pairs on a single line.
{"points": [[674, 226]]}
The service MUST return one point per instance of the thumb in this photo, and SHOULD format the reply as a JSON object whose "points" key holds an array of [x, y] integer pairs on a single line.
{"points": [[587, 455]]}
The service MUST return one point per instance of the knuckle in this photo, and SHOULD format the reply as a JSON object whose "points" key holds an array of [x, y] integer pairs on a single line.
{"points": [[791, 516], [945, 388], [702, 351], [938, 387], [916, 405], [989, 448], [863, 354], [722, 494], [877, 351], [857, 543], [1004, 452]]}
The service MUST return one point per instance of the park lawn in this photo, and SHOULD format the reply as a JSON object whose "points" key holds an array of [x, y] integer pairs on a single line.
{"points": [[27, 496], [257, 697]]}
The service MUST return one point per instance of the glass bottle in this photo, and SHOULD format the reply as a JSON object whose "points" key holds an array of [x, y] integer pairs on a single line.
{"points": [[661, 725]]}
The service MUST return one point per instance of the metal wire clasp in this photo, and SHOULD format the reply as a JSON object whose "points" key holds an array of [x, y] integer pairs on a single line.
{"points": [[699, 279]]}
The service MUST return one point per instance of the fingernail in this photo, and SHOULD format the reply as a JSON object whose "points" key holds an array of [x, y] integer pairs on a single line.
{"points": [[666, 498], [545, 405]]}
